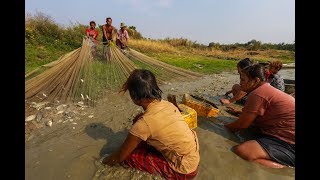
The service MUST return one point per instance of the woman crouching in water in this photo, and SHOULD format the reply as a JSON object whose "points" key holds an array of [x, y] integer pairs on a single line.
{"points": [[273, 112], [160, 141]]}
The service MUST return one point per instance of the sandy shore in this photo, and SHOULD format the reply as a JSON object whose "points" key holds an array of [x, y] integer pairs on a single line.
{"points": [[71, 149]]}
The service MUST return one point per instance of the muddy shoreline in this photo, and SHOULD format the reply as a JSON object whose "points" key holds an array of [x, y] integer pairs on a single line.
{"points": [[71, 147]]}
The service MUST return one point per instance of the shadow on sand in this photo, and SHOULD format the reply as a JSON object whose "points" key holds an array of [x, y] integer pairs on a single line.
{"points": [[215, 125], [100, 131]]}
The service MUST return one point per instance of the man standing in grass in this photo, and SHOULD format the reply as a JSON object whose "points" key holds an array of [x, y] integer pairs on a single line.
{"points": [[107, 33]]}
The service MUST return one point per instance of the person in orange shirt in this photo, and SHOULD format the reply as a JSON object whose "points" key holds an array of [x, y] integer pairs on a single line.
{"points": [[160, 141]]}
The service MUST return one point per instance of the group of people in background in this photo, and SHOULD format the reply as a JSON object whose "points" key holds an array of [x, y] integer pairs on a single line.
{"points": [[271, 76], [268, 109], [108, 31]]}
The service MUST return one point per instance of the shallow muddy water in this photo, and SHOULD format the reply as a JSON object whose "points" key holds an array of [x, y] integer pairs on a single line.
{"points": [[288, 73]]}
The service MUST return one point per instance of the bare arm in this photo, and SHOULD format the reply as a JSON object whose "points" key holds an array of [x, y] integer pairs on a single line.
{"points": [[234, 111], [244, 121], [104, 31], [227, 101], [125, 150], [112, 34], [127, 36]]}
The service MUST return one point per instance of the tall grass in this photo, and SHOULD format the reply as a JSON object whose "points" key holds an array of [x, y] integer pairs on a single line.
{"points": [[183, 47], [144, 45]]}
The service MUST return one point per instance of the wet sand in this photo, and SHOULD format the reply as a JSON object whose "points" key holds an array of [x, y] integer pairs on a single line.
{"points": [[72, 151]]}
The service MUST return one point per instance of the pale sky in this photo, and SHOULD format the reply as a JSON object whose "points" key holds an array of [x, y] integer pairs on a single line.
{"points": [[203, 21]]}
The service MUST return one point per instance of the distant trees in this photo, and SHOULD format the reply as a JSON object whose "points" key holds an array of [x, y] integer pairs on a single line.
{"points": [[252, 45], [133, 33]]}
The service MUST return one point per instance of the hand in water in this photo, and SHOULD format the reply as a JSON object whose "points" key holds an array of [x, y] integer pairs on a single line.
{"points": [[224, 101], [109, 160], [233, 111]]}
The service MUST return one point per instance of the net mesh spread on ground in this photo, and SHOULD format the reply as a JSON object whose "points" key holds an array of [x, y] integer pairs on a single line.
{"points": [[78, 76]]}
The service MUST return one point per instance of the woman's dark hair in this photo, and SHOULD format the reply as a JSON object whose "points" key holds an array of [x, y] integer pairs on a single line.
{"points": [[244, 63], [255, 71], [92, 22], [142, 84]]}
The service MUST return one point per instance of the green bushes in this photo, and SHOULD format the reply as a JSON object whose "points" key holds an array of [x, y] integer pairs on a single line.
{"points": [[133, 33], [46, 41], [42, 30]]}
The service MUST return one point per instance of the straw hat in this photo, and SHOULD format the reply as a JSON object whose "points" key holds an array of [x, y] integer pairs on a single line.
{"points": [[122, 25]]}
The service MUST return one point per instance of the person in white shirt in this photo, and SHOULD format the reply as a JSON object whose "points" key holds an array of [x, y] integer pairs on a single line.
{"points": [[122, 37]]}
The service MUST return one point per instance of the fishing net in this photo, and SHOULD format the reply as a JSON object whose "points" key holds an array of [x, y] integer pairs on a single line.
{"points": [[64, 79], [87, 72], [163, 71]]}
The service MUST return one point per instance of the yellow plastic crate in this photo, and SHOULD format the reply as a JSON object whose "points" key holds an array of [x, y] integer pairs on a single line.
{"points": [[189, 115], [202, 108]]}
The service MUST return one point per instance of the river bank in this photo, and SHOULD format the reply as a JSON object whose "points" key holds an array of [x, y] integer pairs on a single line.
{"points": [[71, 148]]}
